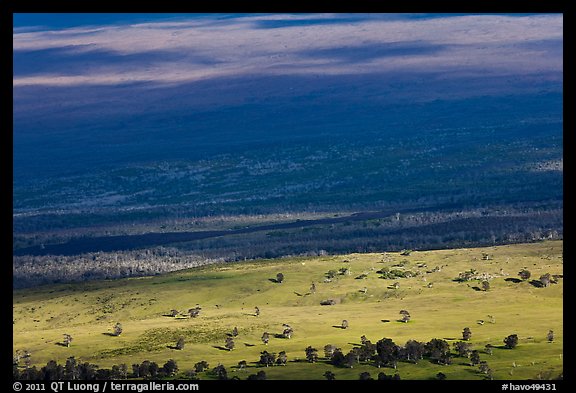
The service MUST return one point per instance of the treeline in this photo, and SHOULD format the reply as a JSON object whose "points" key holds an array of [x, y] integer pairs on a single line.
{"points": [[74, 370], [418, 231], [31, 271], [147, 370]]}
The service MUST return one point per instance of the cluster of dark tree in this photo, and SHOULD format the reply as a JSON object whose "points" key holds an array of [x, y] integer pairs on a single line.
{"points": [[146, 370], [74, 370], [270, 359], [365, 376], [544, 281], [286, 333], [219, 372], [332, 273], [386, 353]]}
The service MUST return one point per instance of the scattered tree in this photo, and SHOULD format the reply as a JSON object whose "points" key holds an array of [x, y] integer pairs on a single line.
{"points": [[438, 350], [545, 279], [201, 366], [287, 333], [383, 377], [357, 353], [344, 271], [365, 376], [174, 313], [267, 358], [235, 332], [344, 324], [511, 341], [282, 358], [387, 352], [229, 343], [147, 370], [550, 336], [220, 372], [136, 370], [466, 334], [119, 371], [256, 311], [180, 343], [265, 338], [462, 348], [337, 358], [329, 375], [53, 371], [490, 374], [194, 312], [259, 376], [524, 274], [312, 288], [311, 354], [483, 367], [329, 350], [170, 368], [367, 351], [67, 340], [467, 275], [440, 376], [351, 358], [413, 351], [474, 358], [118, 329], [279, 278], [71, 371], [405, 316], [485, 285]]}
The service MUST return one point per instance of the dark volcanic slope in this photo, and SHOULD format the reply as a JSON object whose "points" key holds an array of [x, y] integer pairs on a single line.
{"points": [[130, 242], [337, 234]]}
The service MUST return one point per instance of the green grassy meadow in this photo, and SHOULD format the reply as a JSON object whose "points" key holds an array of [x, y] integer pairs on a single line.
{"points": [[229, 292]]}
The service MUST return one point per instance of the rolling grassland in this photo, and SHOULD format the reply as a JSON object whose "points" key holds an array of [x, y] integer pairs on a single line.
{"points": [[440, 307]]}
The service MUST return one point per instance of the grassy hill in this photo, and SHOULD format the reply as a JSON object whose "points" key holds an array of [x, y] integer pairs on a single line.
{"points": [[440, 307]]}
